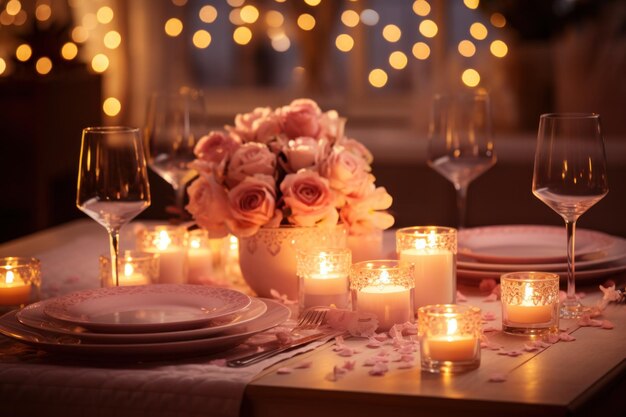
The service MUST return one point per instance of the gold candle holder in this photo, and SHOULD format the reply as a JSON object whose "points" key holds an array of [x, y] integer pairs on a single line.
{"points": [[449, 337], [170, 242], [383, 288], [530, 302], [134, 268], [20, 282], [323, 277]]}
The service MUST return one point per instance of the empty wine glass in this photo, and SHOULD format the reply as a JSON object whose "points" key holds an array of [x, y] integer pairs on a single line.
{"points": [[174, 124], [460, 144], [112, 180], [570, 177]]}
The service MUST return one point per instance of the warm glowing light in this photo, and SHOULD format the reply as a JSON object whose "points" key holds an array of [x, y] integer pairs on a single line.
{"points": [[179, 2], [313, 3], [13, 7], [6, 19], [111, 106], [69, 51], [80, 34], [100, 63], [43, 12], [470, 77], [306, 21], [281, 43], [377, 78], [274, 19], [498, 48], [3, 66], [104, 15], [23, 52], [9, 278], [498, 20], [392, 33], [421, 8], [208, 14], [235, 3], [173, 27], [90, 21], [421, 51], [428, 28], [478, 31], [20, 18], [344, 42], [43, 65], [350, 18], [369, 17], [242, 35], [201, 39], [235, 17], [112, 39], [471, 4], [249, 14], [467, 48], [398, 60], [280, 1]]}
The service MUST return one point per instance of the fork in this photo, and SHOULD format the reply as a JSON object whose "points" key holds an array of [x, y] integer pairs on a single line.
{"points": [[312, 319]]}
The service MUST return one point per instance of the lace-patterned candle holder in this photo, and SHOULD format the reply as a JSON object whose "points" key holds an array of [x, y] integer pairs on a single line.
{"points": [[199, 257], [432, 252], [170, 242], [323, 277], [449, 337], [530, 302], [20, 282], [383, 288], [134, 268]]}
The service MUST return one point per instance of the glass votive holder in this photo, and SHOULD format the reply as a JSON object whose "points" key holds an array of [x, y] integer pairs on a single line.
{"points": [[170, 242], [134, 268], [323, 277], [199, 257], [20, 282], [367, 246], [432, 252], [383, 288], [449, 337], [530, 302]]}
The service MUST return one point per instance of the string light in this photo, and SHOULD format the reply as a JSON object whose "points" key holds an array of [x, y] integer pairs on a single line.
{"points": [[242, 35], [249, 14], [13, 7], [421, 8], [478, 31], [100, 63], [105, 15]]}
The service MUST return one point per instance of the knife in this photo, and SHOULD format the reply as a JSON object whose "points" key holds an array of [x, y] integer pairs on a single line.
{"points": [[259, 356]]}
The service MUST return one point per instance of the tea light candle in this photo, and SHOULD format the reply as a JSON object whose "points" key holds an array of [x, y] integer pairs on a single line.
{"points": [[169, 243], [130, 277], [449, 337], [432, 252], [323, 277], [136, 268], [199, 257], [529, 302], [383, 288], [13, 290], [20, 279]]}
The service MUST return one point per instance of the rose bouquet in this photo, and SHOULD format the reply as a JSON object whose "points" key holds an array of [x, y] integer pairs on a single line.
{"points": [[290, 165]]}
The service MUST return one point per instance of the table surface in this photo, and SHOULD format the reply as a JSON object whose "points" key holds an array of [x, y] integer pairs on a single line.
{"points": [[584, 377]]}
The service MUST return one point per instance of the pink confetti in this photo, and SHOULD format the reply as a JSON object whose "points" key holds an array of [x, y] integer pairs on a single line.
{"points": [[374, 360], [284, 370], [607, 325], [487, 285], [336, 374], [303, 365], [382, 353], [396, 332], [511, 353], [552, 338], [497, 377], [566, 337], [489, 316], [349, 365], [379, 369], [218, 362], [586, 321], [491, 298], [373, 343], [460, 297], [346, 352], [531, 347]]}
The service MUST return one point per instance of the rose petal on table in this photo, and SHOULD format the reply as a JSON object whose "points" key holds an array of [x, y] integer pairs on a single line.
{"points": [[497, 377], [489, 316], [587, 321], [349, 365], [371, 361], [303, 365], [607, 325], [511, 353], [551, 338], [346, 352], [566, 337], [460, 297], [487, 285], [530, 347], [491, 298], [373, 343], [381, 337], [541, 344], [407, 349], [379, 369], [284, 370]]}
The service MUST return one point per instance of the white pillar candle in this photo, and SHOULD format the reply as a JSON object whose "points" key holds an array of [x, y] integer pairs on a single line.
{"points": [[450, 348], [13, 290], [528, 312], [199, 261], [391, 304], [172, 259], [433, 273]]}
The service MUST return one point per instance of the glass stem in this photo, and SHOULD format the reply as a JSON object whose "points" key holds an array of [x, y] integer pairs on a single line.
{"points": [[461, 204], [114, 239], [180, 199], [570, 227]]}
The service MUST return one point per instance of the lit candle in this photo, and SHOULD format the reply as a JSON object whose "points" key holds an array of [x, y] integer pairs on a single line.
{"points": [[452, 346], [328, 283], [528, 312], [391, 303], [13, 290], [433, 258], [132, 277], [199, 260], [172, 257]]}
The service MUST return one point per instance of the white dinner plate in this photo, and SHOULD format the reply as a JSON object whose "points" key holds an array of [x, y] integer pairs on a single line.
{"points": [[524, 244], [146, 308], [33, 316], [615, 252], [275, 315]]}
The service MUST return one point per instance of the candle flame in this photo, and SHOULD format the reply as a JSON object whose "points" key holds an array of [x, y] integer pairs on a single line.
{"points": [[194, 243], [384, 277], [420, 244], [128, 269], [234, 243], [453, 327], [528, 293], [163, 241], [325, 267], [9, 277]]}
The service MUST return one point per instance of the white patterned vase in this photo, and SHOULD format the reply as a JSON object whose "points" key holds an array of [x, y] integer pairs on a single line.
{"points": [[268, 259]]}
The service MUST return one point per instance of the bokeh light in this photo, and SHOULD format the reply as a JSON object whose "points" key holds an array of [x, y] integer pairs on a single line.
{"points": [[478, 31], [105, 15], [377, 78], [3, 66], [112, 39], [350, 18], [173, 27], [80, 34], [100, 63], [249, 14], [421, 8], [392, 33], [235, 17], [471, 4], [398, 60], [281, 43], [201, 39], [235, 3], [498, 20], [344, 42], [13, 7], [242, 35], [498, 48], [470, 77], [421, 50], [274, 19], [428, 28], [313, 2], [467, 48], [369, 17], [23, 52], [208, 14], [43, 12], [69, 51], [306, 21], [111, 106], [43, 65]]}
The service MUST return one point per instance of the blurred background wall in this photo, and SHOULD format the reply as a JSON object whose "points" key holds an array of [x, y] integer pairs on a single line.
{"points": [[67, 64]]}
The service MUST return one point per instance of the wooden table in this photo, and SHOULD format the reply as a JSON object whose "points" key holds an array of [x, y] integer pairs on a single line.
{"points": [[586, 377]]}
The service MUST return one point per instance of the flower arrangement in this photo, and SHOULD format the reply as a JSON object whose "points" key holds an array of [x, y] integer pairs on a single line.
{"points": [[289, 165]]}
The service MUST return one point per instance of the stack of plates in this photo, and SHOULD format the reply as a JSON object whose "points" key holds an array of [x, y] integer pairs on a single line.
{"points": [[153, 320], [488, 252]]}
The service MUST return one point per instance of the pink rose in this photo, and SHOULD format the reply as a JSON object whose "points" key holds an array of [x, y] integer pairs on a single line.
{"points": [[357, 148], [261, 125], [248, 160], [215, 147], [301, 118], [252, 204], [208, 204], [300, 153], [347, 173], [332, 126], [309, 199], [364, 215]]}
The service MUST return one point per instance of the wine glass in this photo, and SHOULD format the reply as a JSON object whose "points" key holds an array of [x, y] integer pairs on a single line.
{"points": [[460, 145], [174, 124], [570, 177], [112, 180]]}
